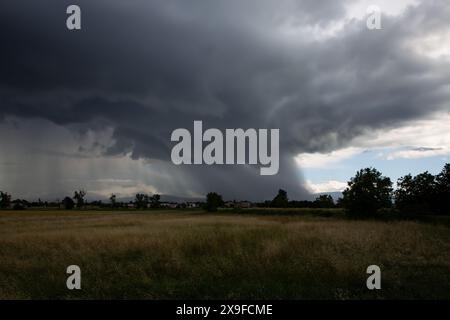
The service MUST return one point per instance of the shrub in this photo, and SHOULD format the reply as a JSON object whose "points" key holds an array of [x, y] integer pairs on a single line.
{"points": [[68, 203]]}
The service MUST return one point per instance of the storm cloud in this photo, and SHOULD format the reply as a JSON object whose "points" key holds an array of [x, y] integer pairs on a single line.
{"points": [[140, 69]]}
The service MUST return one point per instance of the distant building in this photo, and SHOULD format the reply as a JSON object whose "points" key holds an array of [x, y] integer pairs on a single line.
{"points": [[230, 204], [244, 204], [238, 204], [169, 205], [192, 205]]}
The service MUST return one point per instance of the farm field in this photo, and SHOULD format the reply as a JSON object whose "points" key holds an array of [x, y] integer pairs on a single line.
{"points": [[194, 255]]}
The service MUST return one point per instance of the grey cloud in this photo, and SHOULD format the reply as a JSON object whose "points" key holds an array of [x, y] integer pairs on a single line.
{"points": [[425, 149]]}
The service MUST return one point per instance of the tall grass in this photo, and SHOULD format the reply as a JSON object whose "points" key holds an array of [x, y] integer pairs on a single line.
{"points": [[190, 255]]}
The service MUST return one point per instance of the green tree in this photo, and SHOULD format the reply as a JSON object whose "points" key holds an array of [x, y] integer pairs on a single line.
{"points": [[213, 201], [416, 194], [367, 192], [155, 201], [113, 200], [5, 200], [324, 201], [443, 190], [281, 200], [141, 201], [79, 198]]}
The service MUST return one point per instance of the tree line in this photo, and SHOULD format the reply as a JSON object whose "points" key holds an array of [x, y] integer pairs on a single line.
{"points": [[368, 192], [141, 201]]}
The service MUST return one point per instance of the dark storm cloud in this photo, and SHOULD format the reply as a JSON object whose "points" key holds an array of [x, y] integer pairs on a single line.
{"points": [[146, 68]]}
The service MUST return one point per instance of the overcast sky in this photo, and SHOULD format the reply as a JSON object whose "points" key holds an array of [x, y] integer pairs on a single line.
{"points": [[95, 108]]}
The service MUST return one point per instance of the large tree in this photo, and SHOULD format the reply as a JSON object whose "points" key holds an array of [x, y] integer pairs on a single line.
{"points": [[5, 200], [443, 190], [281, 200], [213, 201], [324, 201], [141, 201], [79, 198], [113, 200], [155, 201], [367, 192], [416, 194]]}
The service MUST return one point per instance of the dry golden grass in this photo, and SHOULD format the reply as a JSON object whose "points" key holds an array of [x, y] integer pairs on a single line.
{"points": [[191, 255]]}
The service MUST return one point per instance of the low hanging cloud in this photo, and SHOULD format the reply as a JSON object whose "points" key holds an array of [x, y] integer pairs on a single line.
{"points": [[138, 70]]}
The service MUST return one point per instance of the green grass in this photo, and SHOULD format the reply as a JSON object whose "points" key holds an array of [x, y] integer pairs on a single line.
{"points": [[192, 255]]}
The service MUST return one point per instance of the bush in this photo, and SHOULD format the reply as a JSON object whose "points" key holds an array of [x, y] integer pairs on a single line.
{"points": [[18, 206], [68, 203]]}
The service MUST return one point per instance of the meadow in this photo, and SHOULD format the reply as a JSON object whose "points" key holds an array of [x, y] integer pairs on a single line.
{"points": [[195, 255]]}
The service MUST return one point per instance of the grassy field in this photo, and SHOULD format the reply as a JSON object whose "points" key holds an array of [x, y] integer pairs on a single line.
{"points": [[193, 255]]}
